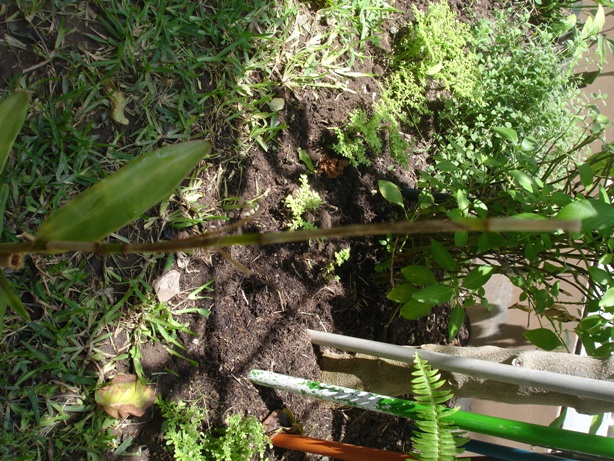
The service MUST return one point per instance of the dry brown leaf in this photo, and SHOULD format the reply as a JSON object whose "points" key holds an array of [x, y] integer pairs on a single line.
{"points": [[332, 167]]}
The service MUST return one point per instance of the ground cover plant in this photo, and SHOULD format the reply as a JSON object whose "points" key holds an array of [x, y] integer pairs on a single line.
{"points": [[512, 135], [264, 83]]}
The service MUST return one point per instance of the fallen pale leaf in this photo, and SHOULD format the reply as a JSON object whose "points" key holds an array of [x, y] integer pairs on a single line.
{"points": [[125, 396], [276, 104], [117, 102]]}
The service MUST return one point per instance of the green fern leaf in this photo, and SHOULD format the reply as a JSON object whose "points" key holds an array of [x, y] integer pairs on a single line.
{"points": [[437, 439]]}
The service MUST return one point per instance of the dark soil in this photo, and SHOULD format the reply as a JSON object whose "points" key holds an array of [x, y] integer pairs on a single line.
{"points": [[259, 315]]}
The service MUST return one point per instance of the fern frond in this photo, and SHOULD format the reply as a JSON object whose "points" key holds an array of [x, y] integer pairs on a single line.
{"points": [[437, 439]]}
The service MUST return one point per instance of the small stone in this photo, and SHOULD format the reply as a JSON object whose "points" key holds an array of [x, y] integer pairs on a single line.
{"points": [[167, 286]]}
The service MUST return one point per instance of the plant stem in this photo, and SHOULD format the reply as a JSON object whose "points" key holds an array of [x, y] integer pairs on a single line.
{"points": [[214, 240]]}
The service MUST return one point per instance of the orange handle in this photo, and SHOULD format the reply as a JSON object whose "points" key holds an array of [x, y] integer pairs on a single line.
{"points": [[336, 450]]}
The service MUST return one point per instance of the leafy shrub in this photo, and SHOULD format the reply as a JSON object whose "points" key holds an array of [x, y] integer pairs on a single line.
{"points": [[243, 438], [526, 86]]}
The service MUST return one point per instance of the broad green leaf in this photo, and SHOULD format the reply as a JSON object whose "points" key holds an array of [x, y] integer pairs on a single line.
{"points": [[461, 238], [588, 28], [600, 275], [529, 144], [507, 133], [599, 20], [391, 192], [433, 294], [306, 159], [122, 197], [592, 324], [443, 256], [601, 162], [565, 25], [463, 202], [593, 305], [413, 310], [553, 269], [594, 214], [586, 175], [478, 277], [10, 298], [401, 293], [607, 300], [457, 317], [125, 396], [524, 180], [13, 111], [446, 165], [419, 275], [560, 198], [543, 338], [588, 342]]}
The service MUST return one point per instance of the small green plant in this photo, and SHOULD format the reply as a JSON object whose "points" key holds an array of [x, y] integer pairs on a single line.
{"points": [[341, 257], [304, 200], [150, 320], [361, 136], [243, 438], [437, 47], [438, 439]]}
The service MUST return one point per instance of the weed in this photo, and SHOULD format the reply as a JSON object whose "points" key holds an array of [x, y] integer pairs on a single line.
{"points": [[149, 320], [435, 49], [243, 438], [341, 257], [47, 380], [362, 136], [305, 199]]}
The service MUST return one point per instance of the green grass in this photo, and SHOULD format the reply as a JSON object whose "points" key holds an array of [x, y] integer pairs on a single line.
{"points": [[185, 70], [48, 366]]}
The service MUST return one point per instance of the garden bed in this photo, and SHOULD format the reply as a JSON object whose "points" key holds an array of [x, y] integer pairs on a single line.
{"points": [[261, 298]]}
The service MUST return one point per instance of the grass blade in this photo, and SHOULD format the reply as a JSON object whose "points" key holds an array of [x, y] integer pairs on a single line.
{"points": [[13, 111], [8, 297], [122, 197]]}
